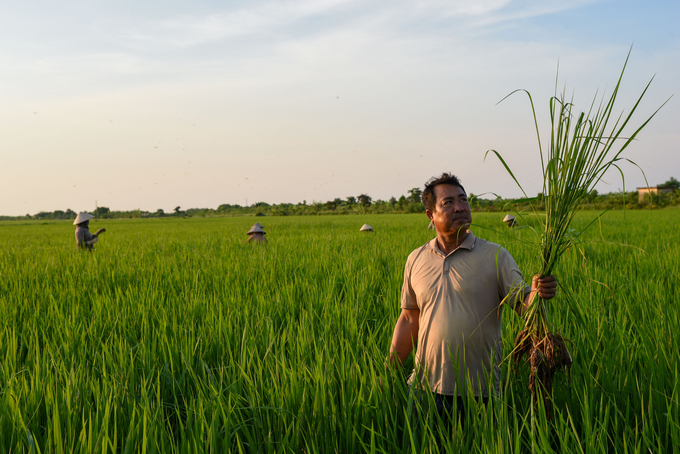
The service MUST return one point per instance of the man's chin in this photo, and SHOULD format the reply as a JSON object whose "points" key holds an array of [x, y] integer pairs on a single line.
{"points": [[461, 226]]}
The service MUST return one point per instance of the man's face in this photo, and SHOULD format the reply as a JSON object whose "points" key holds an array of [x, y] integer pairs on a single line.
{"points": [[452, 211]]}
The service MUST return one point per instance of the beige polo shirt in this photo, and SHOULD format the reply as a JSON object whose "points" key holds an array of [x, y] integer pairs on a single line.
{"points": [[459, 297]]}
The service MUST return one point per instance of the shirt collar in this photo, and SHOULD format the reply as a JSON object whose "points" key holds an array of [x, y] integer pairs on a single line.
{"points": [[468, 243]]}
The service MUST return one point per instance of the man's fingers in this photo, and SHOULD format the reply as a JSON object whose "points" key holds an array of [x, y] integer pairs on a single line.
{"points": [[545, 282], [547, 290], [546, 287]]}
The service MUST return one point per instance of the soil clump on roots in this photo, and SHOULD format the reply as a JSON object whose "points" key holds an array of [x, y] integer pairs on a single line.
{"points": [[545, 354]]}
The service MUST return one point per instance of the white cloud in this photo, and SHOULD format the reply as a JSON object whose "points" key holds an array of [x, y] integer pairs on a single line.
{"points": [[277, 20], [258, 18], [460, 7], [517, 10]]}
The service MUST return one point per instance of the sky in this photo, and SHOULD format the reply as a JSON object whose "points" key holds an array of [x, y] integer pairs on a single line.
{"points": [[157, 104]]}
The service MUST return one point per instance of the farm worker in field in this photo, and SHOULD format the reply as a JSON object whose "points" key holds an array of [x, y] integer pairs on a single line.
{"points": [[256, 234], [84, 239], [366, 228], [455, 289], [510, 220]]}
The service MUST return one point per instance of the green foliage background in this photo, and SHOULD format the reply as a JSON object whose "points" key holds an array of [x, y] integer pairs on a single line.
{"points": [[175, 335]]}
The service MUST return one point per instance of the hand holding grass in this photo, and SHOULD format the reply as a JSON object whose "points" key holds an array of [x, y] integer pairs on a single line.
{"points": [[545, 287], [542, 287]]}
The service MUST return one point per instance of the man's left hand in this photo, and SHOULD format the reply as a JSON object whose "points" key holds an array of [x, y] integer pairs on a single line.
{"points": [[545, 286]]}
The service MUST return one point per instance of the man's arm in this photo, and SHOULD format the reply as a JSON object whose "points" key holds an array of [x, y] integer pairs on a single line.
{"points": [[545, 287], [404, 337]]}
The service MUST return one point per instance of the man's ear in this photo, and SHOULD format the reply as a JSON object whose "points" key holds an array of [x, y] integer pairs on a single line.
{"points": [[429, 214]]}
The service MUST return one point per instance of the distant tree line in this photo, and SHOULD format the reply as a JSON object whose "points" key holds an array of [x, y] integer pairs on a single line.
{"points": [[593, 201], [363, 203]]}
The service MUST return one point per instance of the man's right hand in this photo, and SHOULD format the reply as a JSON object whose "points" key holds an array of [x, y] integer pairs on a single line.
{"points": [[99, 231], [404, 337]]}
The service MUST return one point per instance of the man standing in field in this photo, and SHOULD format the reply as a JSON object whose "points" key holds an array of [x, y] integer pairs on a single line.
{"points": [[455, 288], [84, 239]]}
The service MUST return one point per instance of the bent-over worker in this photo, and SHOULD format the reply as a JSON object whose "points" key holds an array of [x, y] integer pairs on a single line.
{"points": [[256, 234], [510, 220]]}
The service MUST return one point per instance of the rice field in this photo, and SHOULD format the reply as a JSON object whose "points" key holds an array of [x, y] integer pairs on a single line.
{"points": [[177, 336]]}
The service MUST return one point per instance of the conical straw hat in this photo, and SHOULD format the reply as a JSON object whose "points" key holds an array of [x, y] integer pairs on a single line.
{"points": [[366, 228], [431, 226], [508, 217], [256, 229], [82, 217], [257, 224]]}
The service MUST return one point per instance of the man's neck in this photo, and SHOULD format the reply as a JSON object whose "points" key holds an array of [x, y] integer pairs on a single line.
{"points": [[449, 243]]}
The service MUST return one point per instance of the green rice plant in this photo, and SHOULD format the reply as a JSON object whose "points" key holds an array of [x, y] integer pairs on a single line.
{"points": [[583, 148], [175, 335]]}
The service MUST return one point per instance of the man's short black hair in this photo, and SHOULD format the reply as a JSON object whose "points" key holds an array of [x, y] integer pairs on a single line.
{"points": [[428, 197]]}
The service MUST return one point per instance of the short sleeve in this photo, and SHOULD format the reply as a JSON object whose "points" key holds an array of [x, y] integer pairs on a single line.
{"points": [[408, 296], [512, 287]]}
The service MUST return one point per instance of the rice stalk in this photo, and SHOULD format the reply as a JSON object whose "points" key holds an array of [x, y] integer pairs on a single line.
{"points": [[583, 147]]}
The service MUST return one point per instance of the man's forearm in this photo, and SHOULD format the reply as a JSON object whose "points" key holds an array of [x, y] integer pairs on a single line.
{"points": [[405, 336], [523, 305]]}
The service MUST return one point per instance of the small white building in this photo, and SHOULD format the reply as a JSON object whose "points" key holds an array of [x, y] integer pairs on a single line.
{"points": [[652, 191]]}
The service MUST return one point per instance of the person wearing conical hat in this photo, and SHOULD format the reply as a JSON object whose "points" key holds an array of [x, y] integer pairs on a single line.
{"points": [[84, 239], [431, 226], [366, 228], [510, 220], [256, 234]]}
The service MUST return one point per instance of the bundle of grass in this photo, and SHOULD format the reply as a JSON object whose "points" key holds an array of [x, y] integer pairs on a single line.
{"points": [[582, 149]]}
